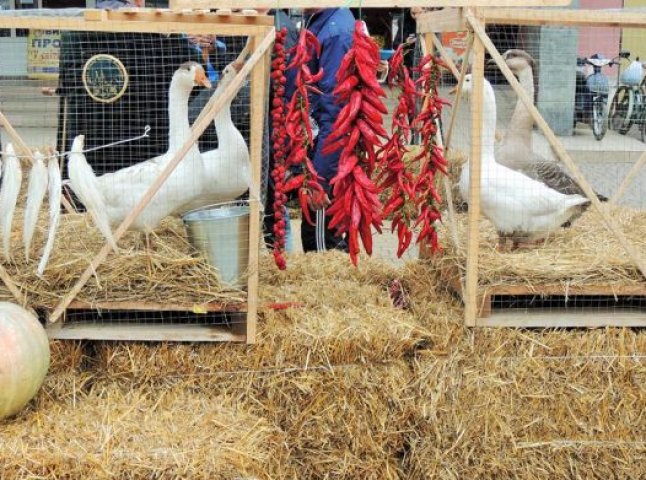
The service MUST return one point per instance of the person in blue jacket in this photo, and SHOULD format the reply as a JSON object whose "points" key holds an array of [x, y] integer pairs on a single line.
{"points": [[334, 28]]}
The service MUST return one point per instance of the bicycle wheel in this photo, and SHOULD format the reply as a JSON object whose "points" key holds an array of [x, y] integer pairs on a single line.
{"points": [[599, 121], [618, 118]]}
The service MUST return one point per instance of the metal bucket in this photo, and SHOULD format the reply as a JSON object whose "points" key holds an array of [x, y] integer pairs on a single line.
{"points": [[221, 234]]}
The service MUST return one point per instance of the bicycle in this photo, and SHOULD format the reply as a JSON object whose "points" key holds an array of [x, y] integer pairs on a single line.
{"points": [[592, 92], [628, 105]]}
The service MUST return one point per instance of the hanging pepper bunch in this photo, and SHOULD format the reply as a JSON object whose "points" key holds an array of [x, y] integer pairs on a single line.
{"points": [[395, 173], [278, 139], [432, 154], [357, 130], [299, 127]]}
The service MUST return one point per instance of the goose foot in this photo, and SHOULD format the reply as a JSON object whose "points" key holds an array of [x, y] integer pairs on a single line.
{"points": [[503, 241], [525, 244]]}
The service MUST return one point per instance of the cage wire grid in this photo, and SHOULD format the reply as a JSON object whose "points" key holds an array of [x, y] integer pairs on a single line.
{"points": [[580, 267], [111, 88]]}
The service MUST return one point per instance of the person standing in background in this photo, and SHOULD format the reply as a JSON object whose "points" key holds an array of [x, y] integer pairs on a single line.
{"points": [[334, 28]]}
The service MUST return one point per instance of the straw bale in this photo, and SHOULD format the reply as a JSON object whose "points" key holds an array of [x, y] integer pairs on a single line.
{"points": [[527, 417], [585, 254], [110, 432], [169, 272], [343, 315]]}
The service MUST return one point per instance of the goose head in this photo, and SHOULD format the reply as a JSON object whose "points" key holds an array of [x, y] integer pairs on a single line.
{"points": [[191, 74], [9, 150], [229, 73], [467, 89], [78, 144], [518, 60]]}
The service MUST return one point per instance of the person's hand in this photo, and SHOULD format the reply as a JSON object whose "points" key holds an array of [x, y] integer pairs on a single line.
{"points": [[318, 201], [383, 66], [205, 42], [411, 39]]}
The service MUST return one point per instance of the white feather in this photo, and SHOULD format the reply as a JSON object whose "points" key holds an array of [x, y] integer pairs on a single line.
{"points": [[9, 196], [35, 195], [55, 187], [85, 185]]}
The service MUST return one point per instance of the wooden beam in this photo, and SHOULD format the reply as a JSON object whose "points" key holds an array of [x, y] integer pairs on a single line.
{"points": [[192, 16], [629, 179], [631, 251], [143, 332], [565, 17], [215, 104], [225, 27], [446, 20], [453, 228], [259, 84], [156, 306], [237, 4], [21, 147], [473, 215]]}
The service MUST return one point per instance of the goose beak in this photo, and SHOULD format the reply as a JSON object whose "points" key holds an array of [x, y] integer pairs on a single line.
{"points": [[201, 79], [453, 91]]}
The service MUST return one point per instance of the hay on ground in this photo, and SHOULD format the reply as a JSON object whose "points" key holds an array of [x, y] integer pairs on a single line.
{"points": [[113, 432], [168, 273], [582, 255]]}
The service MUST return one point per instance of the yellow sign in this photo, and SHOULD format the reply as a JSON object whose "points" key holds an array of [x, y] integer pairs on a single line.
{"points": [[105, 78], [43, 52]]}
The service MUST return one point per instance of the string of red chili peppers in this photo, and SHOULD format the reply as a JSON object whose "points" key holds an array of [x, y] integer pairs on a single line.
{"points": [[299, 127], [357, 131], [427, 198], [278, 139], [395, 173]]}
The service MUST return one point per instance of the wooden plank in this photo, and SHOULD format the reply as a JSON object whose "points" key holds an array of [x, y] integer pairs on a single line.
{"points": [[224, 27], [557, 146], [569, 290], [143, 332], [256, 4], [259, 84], [550, 318], [446, 20], [156, 306], [215, 104], [95, 15], [473, 215], [565, 17], [197, 16]]}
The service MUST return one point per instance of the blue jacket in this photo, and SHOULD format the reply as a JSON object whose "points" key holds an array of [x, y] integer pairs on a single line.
{"points": [[334, 28]]}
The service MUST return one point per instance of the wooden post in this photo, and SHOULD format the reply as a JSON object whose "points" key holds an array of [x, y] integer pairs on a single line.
{"points": [[473, 234], [630, 178], [21, 147], [633, 254], [215, 104], [259, 81]]}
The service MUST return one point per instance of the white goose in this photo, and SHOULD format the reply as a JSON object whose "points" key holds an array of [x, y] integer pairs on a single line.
{"points": [[36, 190], [516, 150], [227, 168], [12, 179], [521, 209], [120, 191]]}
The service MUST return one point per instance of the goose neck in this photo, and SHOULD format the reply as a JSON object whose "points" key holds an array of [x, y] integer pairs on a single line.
{"points": [[178, 126], [521, 123]]}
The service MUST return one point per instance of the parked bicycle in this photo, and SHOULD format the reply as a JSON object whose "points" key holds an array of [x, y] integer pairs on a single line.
{"points": [[628, 105], [592, 91]]}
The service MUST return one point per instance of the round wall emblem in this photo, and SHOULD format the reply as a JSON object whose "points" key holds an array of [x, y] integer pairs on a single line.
{"points": [[105, 78]]}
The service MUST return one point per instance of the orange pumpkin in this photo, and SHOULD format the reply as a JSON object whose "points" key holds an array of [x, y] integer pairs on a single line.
{"points": [[24, 357]]}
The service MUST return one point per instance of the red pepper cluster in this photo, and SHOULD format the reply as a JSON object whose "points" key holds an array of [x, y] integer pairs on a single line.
{"points": [[298, 125], [432, 154], [395, 173], [278, 139], [357, 131]]}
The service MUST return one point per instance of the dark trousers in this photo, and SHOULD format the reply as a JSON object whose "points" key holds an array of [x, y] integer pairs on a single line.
{"points": [[317, 237]]}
